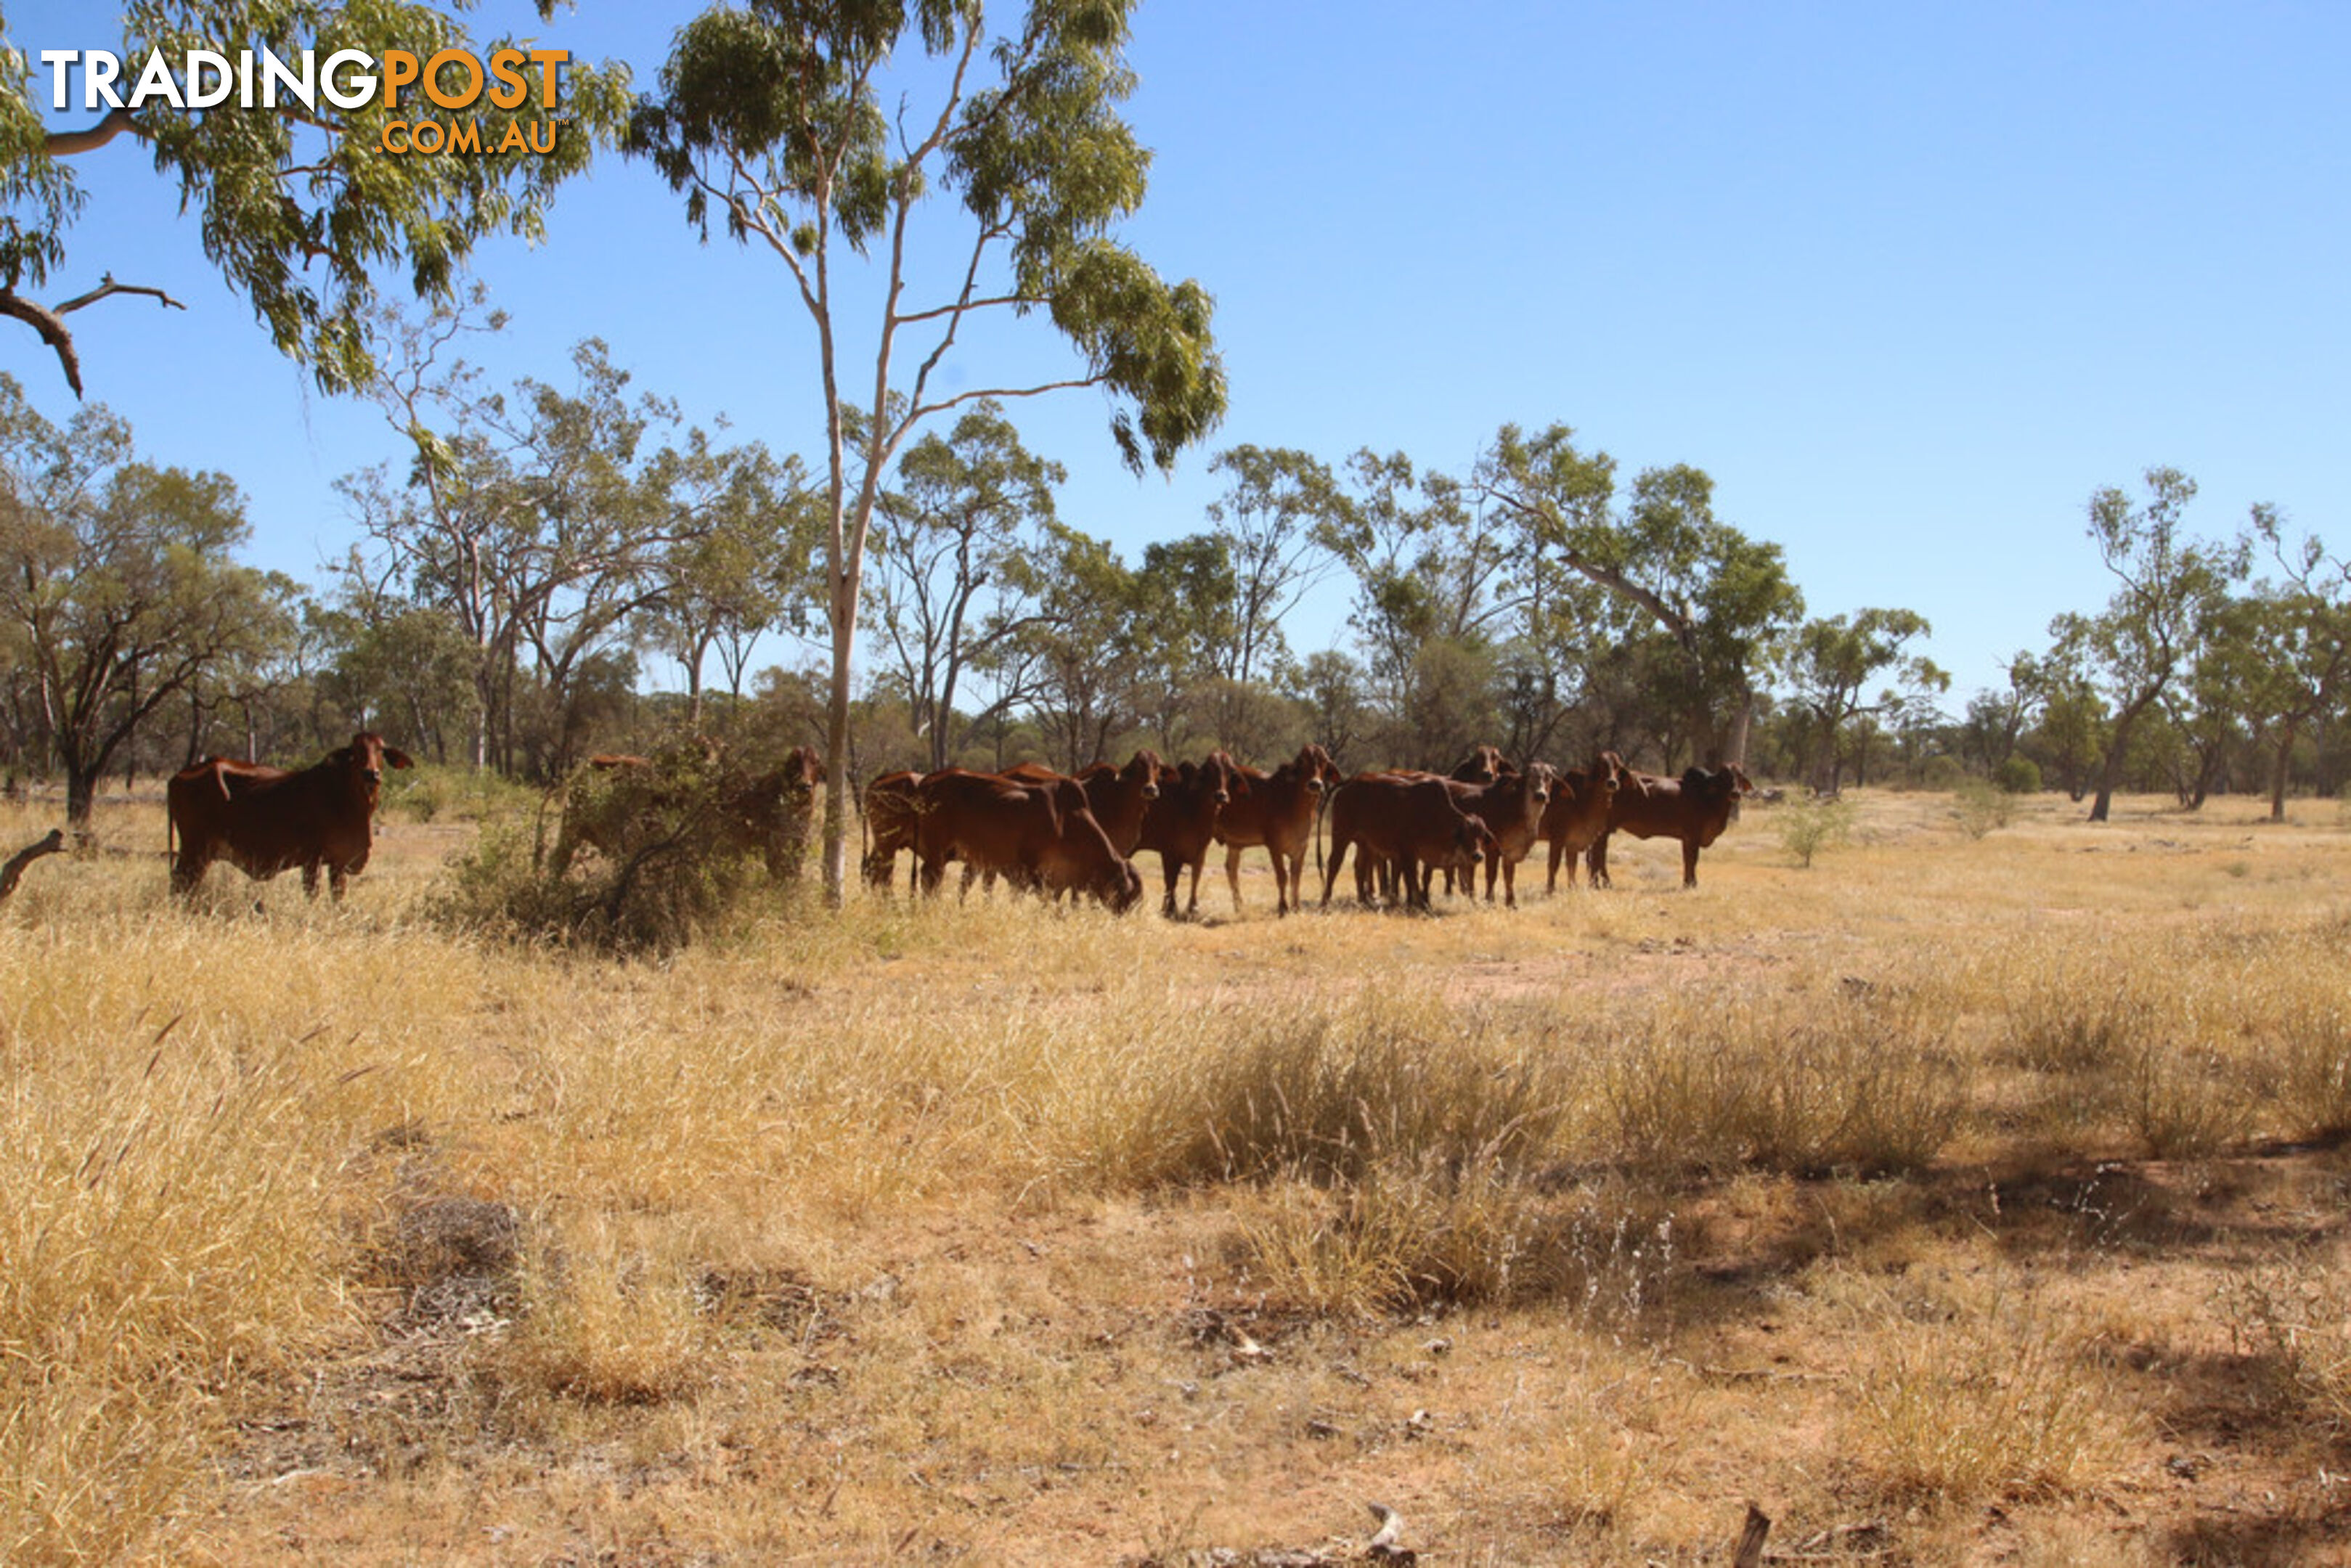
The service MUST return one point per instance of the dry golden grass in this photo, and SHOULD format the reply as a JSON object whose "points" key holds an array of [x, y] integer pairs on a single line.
{"points": [[1960, 1198]]}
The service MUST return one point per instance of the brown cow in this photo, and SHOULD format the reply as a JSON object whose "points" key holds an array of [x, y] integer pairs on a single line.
{"points": [[892, 808], [1277, 809], [1484, 765], [1694, 808], [1118, 797], [1182, 822], [620, 805], [1003, 825], [1411, 823], [1512, 807], [265, 820], [1578, 812]]}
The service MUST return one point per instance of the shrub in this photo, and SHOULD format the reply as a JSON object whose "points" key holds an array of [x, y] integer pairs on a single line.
{"points": [[1808, 827], [431, 791], [678, 861], [2017, 775], [1980, 807], [1941, 773]]}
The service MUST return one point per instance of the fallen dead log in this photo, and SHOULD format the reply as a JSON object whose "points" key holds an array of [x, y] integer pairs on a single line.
{"points": [[11, 873], [1749, 1554]]}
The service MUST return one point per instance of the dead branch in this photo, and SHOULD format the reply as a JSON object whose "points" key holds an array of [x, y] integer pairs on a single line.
{"points": [[47, 321], [44, 320], [13, 870], [106, 286]]}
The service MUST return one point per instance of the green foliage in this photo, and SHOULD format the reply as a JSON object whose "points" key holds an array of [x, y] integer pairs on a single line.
{"points": [[1942, 773], [2017, 775], [301, 210], [1810, 825]]}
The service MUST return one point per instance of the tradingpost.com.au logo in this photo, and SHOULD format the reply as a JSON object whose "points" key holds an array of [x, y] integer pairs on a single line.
{"points": [[455, 80]]}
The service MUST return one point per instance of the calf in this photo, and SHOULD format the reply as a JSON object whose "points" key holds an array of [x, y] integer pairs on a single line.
{"points": [[265, 820]]}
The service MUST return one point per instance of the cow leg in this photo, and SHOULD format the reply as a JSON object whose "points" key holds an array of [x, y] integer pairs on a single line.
{"points": [[1192, 904], [1338, 847], [1171, 868], [1509, 883], [309, 879], [1233, 873], [1689, 863], [187, 870], [1556, 846], [1595, 862], [1288, 878]]}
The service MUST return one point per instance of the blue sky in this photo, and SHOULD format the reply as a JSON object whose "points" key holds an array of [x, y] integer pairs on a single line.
{"points": [[1909, 281]]}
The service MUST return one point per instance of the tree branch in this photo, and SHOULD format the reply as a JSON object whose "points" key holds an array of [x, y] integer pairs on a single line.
{"points": [[107, 287], [45, 319], [66, 143]]}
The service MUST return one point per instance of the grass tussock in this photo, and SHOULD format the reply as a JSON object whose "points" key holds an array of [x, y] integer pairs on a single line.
{"points": [[1983, 1393], [1321, 1093], [1812, 1086]]}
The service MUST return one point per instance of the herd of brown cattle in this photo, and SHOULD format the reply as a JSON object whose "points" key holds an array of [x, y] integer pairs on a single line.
{"points": [[1040, 830], [1056, 833]]}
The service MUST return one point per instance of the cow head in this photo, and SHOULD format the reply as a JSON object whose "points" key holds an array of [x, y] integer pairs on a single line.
{"points": [[1473, 840], [1542, 779], [1609, 767], [1232, 783], [1316, 764], [1222, 778], [1484, 765], [803, 768], [1142, 770], [365, 759]]}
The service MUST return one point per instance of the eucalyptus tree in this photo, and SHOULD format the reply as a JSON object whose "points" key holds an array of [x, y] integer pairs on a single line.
{"points": [[118, 586], [811, 130], [965, 505], [2301, 626], [1830, 664], [1274, 516], [1085, 652], [301, 208], [1435, 593], [2166, 587], [1724, 600], [551, 526], [741, 567], [1996, 720]]}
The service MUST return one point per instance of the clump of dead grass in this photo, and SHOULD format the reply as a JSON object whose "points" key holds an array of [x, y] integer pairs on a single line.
{"points": [[1988, 1394], [1784, 1083]]}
